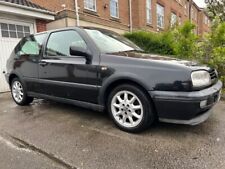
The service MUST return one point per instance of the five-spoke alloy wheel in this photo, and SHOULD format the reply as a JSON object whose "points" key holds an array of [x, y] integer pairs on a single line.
{"points": [[130, 108]]}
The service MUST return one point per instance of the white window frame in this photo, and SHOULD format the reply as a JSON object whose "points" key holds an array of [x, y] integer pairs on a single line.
{"points": [[159, 9], [193, 14], [186, 7], [117, 8], [87, 7], [149, 11], [206, 20], [30, 25], [173, 19], [179, 20]]}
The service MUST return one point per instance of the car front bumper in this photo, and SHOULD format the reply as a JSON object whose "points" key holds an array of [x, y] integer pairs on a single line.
{"points": [[189, 108]]}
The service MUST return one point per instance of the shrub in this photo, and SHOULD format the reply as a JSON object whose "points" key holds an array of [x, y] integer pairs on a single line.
{"points": [[185, 41], [213, 49], [179, 41], [159, 43], [182, 42]]}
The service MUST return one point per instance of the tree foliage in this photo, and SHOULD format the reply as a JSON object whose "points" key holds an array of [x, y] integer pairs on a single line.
{"points": [[159, 43], [213, 49], [216, 8], [183, 43]]}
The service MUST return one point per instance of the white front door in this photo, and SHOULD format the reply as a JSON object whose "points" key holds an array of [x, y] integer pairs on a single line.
{"points": [[10, 34]]}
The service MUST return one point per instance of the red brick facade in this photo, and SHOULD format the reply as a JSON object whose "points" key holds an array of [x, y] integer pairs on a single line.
{"points": [[66, 8], [41, 25]]}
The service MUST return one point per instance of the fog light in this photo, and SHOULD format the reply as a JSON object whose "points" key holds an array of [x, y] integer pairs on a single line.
{"points": [[203, 103]]}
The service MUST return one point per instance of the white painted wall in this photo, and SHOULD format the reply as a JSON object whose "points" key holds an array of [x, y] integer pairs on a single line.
{"points": [[8, 44]]}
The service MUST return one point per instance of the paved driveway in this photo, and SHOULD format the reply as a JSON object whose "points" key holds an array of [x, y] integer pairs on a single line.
{"points": [[51, 135]]}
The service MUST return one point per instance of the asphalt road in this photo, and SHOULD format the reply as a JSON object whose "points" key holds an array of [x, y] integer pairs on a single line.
{"points": [[51, 135]]}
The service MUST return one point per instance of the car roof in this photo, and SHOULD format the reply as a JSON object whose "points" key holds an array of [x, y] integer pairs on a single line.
{"points": [[75, 27]]}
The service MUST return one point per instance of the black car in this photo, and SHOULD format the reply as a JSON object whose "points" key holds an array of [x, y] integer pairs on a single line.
{"points": [[101, 70]]}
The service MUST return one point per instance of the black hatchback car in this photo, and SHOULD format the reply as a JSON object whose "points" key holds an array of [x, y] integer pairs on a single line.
{"points": [[99, 69]]}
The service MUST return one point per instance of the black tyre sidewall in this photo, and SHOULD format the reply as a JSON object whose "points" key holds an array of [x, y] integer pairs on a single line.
{"points": [[26, 100], [148, 115]]}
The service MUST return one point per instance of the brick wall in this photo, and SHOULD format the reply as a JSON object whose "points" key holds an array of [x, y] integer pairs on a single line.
{"points": [[55, 5], [102, 14], [41, 25], [204, 23]]}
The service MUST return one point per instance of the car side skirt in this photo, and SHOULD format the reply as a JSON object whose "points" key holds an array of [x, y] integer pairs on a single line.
{"points": [[91, 106]]}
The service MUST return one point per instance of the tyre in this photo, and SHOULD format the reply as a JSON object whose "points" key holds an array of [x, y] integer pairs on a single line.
{"points": [[19, 93], [130, 108]]}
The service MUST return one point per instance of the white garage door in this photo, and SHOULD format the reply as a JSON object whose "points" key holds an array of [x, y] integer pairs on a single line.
{"points": [[10, 34]]}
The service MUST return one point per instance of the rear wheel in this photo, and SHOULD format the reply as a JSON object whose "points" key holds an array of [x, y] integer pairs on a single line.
{"points": [[19, 93], [130, 108]]}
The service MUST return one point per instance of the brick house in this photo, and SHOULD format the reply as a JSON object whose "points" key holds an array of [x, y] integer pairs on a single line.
{"points": [[126, 15], [18, 18]]}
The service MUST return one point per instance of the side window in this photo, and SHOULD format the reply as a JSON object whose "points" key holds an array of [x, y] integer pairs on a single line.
{"points": [[59, 43], [31, 45]]}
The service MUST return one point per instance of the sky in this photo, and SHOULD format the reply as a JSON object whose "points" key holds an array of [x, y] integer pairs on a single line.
{"points": [[200, 3]]}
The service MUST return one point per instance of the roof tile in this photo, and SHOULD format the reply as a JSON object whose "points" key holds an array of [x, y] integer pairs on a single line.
{"points": [[25, 3]]}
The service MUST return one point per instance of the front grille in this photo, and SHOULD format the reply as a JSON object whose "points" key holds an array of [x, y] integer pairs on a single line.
{"points": [[213, 75]]}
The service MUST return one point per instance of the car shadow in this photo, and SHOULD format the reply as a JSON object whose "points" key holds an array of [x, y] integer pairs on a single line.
{"points": [[101, 121]]}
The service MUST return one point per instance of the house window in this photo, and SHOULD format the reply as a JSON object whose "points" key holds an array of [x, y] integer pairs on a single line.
{"points": [[186, 8], [114, 8], [160, 16], [206, 20], [193, 14], [173, 19], [14, 31], [149, 11], [90, 5], [180, 20]]}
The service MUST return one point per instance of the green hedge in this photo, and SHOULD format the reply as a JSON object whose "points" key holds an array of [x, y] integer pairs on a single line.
{"points": [[159, 43]]}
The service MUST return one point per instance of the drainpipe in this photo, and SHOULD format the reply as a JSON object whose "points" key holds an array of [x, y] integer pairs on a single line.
{"points": [[77, 12], [130, 15], [190, 7]]}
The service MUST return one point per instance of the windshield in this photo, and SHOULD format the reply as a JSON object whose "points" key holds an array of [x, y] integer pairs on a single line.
{"points": [[110, 42]]}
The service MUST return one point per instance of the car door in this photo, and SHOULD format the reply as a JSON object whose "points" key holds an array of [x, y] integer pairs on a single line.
{"points": [[28, 53], [65, 76]]}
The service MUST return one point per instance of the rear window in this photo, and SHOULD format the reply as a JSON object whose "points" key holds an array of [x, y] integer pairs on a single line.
{"points": [[30, 45]]}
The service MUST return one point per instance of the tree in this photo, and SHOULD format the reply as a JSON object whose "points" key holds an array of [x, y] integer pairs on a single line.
{"points": [[216, 8], [185, 40]]}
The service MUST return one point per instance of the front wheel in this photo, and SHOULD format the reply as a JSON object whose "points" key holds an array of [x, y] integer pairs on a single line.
{"points": [[130, 108], [19, 93]]}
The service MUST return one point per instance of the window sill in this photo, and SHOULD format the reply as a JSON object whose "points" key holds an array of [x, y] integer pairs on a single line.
{"points": [[87, 11], [115, 19], [149, 25], [160, 28]]}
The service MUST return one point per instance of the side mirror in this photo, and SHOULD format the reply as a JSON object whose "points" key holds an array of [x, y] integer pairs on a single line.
{"points": [[78, 51]]}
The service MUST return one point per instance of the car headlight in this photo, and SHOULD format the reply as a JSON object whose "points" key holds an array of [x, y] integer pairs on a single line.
{"points": [[200, 78]]}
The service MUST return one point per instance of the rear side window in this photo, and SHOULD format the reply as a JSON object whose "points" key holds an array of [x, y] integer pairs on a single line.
{"points": [[59, 43], [31, 45]]}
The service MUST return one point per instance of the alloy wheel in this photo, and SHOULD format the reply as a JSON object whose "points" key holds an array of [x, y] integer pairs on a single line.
{"points": [[17, 91], [127, 109]]}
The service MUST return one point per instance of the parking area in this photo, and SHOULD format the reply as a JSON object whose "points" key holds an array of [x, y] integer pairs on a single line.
{"points": [[53, 135]]}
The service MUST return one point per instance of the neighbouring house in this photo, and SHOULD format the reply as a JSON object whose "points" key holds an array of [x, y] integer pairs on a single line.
{"points": [[126, 15], [18, 18]]}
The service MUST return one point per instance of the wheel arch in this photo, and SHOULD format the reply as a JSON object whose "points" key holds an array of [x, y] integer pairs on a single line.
{"points": [[115, 81], [14, 75], [11, 77]]}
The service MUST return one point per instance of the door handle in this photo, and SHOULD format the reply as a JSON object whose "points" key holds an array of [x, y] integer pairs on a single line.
{"points": [[42, 63]]}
